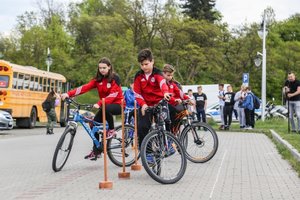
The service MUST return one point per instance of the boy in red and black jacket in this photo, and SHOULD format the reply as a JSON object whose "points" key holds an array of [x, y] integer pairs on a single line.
{"points": [[149, 88], [177, 95]]}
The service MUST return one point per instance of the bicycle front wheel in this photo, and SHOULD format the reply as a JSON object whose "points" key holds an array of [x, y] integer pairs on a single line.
{"points": [[200, 142], [163, 157], [63, 149], [114, 146]]}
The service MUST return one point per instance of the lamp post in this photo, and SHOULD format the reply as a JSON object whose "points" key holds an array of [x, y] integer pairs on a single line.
{"points": [[262, 34], [48, 60]]}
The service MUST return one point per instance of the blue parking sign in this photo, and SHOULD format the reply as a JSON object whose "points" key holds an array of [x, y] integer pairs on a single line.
{"points": [[246, 79]]}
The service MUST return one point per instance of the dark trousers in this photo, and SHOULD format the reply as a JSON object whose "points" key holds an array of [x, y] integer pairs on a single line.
{"points": [[144, 124], [227, 114], [201, 116], [110, 110], [249, 115]]}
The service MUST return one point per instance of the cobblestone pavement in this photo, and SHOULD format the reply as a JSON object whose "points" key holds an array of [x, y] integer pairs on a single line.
{"points": [[246, 166]]}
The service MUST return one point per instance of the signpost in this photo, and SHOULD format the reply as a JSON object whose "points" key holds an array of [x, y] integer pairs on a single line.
{"points": [[246, 79]]}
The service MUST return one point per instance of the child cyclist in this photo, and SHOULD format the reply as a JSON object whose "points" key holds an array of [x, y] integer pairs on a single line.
{"points": [[149, 88], [108, 86], [177, 95]]}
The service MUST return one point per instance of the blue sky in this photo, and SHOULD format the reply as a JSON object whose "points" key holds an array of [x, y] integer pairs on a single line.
{"points": [[235, 12]]}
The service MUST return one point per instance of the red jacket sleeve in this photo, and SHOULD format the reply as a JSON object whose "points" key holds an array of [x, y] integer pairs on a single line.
{"points": [[137, 91], [162, 83], [178, 94], [82, 89]]}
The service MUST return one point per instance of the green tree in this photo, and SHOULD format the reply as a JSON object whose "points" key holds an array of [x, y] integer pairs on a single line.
{"points": [[201, 10]]}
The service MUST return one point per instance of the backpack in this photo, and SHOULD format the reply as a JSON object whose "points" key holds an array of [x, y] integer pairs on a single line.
{"points": [[46, 105], [256, 102]]}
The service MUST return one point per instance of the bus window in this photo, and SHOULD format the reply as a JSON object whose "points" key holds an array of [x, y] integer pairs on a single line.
{"points": [[26, 82], [15, 79], [56, 86], [36, 83], [31, 84], [48, 84], [40, 87], [4, 81], [45, 84], [53, 85], [59, 87], [20, 82]]}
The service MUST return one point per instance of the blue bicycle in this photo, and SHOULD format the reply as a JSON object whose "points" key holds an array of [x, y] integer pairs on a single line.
{"points": [[114, 144]]}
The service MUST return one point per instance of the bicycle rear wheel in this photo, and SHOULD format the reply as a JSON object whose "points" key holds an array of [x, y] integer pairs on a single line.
{"points": [[200, 142], [63, 149], [114, 146], [163, 157]]}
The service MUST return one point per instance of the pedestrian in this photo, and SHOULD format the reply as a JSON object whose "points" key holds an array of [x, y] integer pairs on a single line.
{"points": [[248, 105], [221, 104], [192, 106], [239, 98], [149, 88], [129, 99], [52, 100], [292, 91], [108, 85], [228, 107], [201, 104]]}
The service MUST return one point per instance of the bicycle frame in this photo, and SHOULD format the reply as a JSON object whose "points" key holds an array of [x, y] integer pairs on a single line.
{"points": [[84, 121]]}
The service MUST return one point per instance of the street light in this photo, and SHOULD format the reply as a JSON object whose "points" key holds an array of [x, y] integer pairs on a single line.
{"points": [[262, 32], [257, 59], [48, 60]]}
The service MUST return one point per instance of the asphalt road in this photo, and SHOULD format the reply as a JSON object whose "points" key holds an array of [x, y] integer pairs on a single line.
{"points": [[246, 166]]}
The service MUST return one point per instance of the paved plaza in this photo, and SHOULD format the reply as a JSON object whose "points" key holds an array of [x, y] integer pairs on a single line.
{"points": [[246, 166]]}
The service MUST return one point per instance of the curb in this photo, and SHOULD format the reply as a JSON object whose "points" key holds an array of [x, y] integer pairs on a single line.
{"points": [[279, 139]]}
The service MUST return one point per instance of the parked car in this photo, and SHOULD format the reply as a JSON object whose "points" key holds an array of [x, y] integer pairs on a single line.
{"points": [[213, 112], [6, 120]]}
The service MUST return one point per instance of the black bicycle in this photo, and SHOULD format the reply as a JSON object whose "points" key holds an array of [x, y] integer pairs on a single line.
{"points": [[199, 139], [114, 144], [162, 154]]}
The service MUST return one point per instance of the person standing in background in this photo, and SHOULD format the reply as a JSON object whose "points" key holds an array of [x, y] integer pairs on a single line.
{"points": [[221, 104], [228, 107], [54, 100], [201, 104], [249, 108], [238, 98], [292, 91]]}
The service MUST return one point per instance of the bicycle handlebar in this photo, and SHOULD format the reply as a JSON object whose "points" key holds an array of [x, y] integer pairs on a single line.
{"points": [[78, 105]]}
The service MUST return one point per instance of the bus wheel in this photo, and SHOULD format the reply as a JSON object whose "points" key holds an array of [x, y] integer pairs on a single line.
{"points": [[32, 119], [63, 123]]}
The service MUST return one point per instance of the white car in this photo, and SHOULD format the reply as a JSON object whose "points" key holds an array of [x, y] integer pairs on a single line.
{"points": [[213, 112], [6, 120]]}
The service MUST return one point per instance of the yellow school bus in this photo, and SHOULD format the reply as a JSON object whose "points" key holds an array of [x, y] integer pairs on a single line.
{"points": [[24, 88]]}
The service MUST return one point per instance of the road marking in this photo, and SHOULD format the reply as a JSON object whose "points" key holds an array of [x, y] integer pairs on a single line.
{"points": [[217, 178]]}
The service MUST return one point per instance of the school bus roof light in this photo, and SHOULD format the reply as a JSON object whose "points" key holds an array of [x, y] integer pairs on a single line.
{"points": [[3, 68], [4, 93]]}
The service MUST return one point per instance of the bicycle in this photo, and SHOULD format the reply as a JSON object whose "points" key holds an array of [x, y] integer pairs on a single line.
{"points": [[161, 152], [114, 144], [203, 144]]}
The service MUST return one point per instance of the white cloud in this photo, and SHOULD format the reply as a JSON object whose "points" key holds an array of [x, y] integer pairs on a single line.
{"points": [[10, 9], [237, 12]]}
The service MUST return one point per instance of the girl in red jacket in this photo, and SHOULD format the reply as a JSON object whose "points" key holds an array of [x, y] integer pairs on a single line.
{"points": [[108, 86]]}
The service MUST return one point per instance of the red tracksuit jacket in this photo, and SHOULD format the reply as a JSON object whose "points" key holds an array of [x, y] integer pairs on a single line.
{"points": [[149, 91], [176, 93], [112, 92]]}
